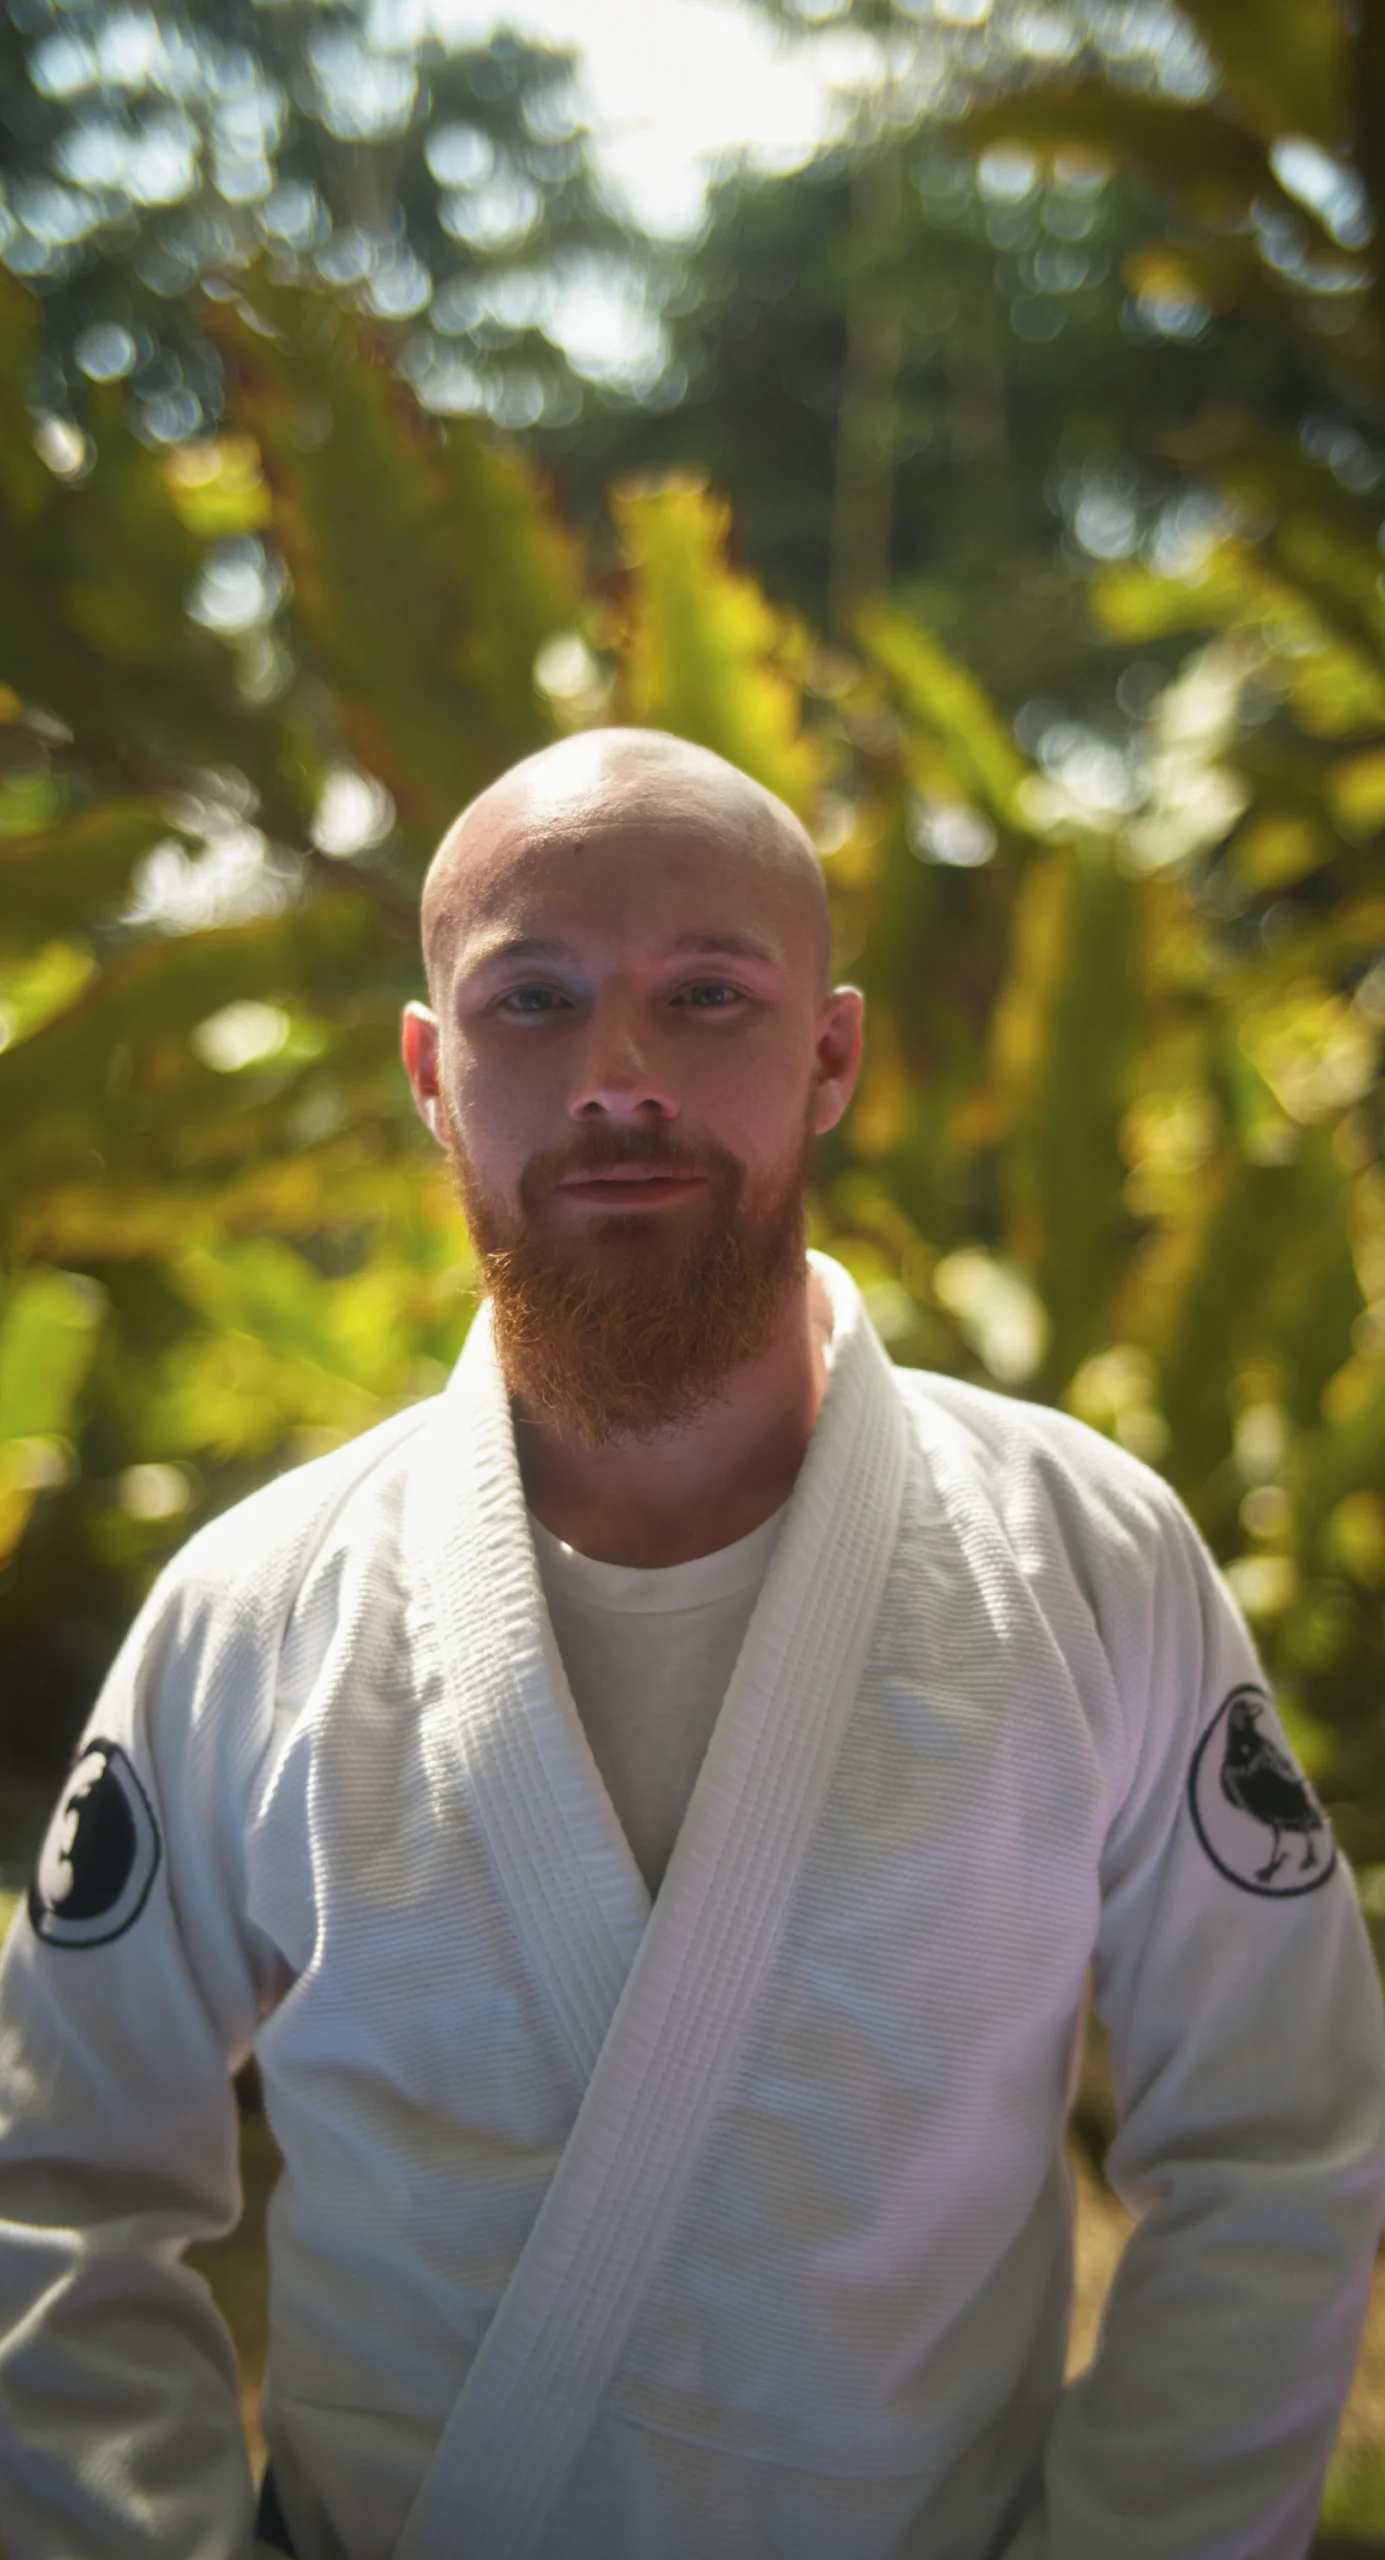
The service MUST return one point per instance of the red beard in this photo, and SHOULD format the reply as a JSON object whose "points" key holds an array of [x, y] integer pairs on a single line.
{"points": [[641, 1321]]}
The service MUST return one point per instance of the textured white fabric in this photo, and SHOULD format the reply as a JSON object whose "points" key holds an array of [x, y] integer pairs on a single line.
{"points": [[822, 2082], [531, 2403], [649, 1653]]}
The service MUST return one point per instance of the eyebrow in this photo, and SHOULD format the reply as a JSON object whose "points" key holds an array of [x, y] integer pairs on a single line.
{"points": [[730, 946], [518, 947], [735, 946]]}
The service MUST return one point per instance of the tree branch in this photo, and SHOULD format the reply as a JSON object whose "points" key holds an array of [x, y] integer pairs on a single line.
{"points": [[164, 782]]}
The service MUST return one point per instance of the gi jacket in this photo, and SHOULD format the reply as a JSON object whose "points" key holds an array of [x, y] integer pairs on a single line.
{"points": [[737, 2225]]}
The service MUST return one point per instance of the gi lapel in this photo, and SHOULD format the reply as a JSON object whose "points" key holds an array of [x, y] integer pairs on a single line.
{"points": [[535, 2386], [577, 1899]]}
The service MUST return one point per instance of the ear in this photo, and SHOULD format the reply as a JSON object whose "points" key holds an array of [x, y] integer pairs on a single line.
{"points": [[837, 1055], [419, 1048]]}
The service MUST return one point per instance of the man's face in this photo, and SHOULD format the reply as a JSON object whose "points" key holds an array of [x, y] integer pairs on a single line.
{"points": [[634, 1048]]}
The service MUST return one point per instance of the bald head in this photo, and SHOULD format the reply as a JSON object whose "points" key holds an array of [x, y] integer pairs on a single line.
{"points": [[669, 801]]}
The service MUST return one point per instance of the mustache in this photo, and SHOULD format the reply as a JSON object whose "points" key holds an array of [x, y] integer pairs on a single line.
{"points": [[597, 1149]]}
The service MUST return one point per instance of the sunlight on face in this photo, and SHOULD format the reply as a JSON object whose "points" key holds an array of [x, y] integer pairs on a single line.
{"points": [[633, 1046], [641, 988]]}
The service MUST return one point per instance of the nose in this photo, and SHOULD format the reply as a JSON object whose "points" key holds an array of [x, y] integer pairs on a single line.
{"points": [[618, 1077]]}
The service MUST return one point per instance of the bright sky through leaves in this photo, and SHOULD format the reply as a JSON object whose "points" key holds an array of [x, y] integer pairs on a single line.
{"points": [[671, 85]]}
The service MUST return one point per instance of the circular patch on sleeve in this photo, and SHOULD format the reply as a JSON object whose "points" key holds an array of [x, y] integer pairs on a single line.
{"points": [[100, 1855], [1252, 1807]]}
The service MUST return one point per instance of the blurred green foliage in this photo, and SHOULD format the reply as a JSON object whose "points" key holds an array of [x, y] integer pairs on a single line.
{"points": [[1119, 1142], [145, 151]]}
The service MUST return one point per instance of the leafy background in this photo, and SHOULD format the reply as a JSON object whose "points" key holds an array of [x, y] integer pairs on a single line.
{"points": [[1003, 487]]}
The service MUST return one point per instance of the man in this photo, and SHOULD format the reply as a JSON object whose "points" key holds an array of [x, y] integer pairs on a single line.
{"points": [[655, 1813]]}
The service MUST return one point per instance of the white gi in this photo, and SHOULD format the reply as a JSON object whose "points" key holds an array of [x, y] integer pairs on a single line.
{"points": [[738, 2226]]}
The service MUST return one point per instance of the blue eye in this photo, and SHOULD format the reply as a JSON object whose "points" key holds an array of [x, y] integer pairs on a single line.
{"points": [[533, 1000], [710, 995]]}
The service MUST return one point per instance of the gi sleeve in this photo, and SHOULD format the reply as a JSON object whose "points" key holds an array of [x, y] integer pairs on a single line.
{"points": [[1235, 1979], [129, 1990]]}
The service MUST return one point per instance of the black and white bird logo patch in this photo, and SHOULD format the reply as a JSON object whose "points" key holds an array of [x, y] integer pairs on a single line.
{"points": [[100, 1855], [1254, 1811]]}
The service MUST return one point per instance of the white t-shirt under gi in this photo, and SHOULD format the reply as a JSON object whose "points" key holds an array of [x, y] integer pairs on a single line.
{"points": [[649, 1655]]}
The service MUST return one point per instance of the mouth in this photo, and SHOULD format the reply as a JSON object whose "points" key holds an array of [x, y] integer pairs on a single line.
{"points": [[630, 1186]]}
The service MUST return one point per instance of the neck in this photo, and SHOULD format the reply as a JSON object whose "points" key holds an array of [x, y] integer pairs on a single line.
{"points": [[700, 1484]]}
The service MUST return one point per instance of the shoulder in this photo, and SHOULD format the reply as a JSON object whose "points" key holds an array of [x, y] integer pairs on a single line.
{"points": [[1047, 1480], [197, 1692], [1061, 1526], [1000, 1434], [248, 1564]]}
